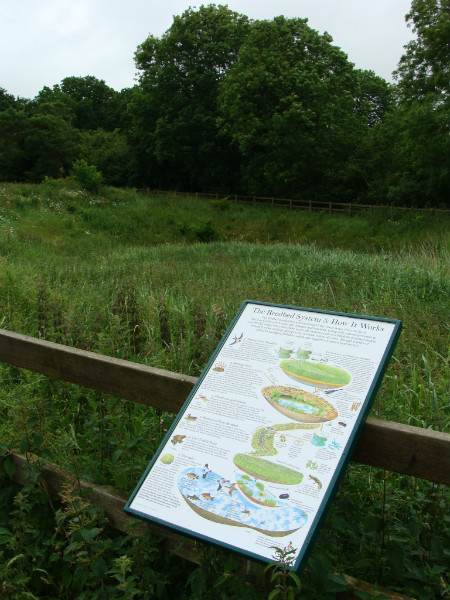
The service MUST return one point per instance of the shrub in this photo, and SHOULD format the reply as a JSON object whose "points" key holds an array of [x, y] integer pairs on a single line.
{"points": [[87, 176]]}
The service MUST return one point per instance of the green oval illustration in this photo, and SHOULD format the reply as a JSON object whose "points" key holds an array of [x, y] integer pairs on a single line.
{"points": [[266, 470], [316, 374]]}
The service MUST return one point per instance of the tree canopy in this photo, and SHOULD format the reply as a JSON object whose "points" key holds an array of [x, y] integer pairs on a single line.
{"points": [[175, 110], [226, 104], [422, 118], [289, 105]]}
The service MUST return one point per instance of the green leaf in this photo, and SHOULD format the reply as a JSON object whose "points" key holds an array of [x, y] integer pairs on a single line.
{"points": [[273, 594], [46, 453], [197, 581], [66, 576], [222, 579], [23, 446], [336, 583], [363, 563], [13, 560], [89, 534], [20, 579], [37, 441], [99, 567], [4, 531], [10, 467], [117, 454], [296, 579]]}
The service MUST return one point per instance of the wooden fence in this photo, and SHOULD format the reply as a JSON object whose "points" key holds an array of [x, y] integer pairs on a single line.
{"points": [[329, 207], [421, 453]]}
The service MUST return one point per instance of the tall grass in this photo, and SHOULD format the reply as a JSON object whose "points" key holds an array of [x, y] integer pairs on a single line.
{"points": [[79, 280], [133, 277]]}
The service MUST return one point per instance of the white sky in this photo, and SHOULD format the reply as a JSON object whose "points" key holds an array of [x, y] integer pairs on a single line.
{"points": [[44, 41]]}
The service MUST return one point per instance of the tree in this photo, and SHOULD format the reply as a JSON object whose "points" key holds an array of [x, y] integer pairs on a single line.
{"points": [[107, 151], [424, 70], [375, 97], [6, 100], [289, 105], [86, 101], [14, 161], [92, 100], [422, 144], [33, 147], [53, 101], [174, 111]]}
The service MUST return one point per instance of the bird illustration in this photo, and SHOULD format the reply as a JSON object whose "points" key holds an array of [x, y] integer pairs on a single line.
{"points": [[237, 339], [231, 488]]}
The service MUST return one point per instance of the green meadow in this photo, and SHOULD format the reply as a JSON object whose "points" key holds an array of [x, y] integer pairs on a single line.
{"points": [[157, 279]]}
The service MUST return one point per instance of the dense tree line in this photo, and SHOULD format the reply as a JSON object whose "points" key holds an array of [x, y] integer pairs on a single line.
{"points": [[227, 104]]}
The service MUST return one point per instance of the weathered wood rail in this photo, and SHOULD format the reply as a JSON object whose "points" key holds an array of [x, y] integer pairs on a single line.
{"points": [[405, 449], [330, 207]]}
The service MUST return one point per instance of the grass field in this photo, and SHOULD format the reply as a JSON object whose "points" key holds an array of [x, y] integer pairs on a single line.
{"points": [[157, 280]]}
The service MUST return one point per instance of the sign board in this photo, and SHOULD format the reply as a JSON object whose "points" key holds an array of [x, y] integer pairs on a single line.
{"points": [[256, 454]]}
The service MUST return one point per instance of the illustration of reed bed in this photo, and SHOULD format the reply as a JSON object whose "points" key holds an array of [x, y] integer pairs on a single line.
{"points": [[317, 374], [259, 468]]}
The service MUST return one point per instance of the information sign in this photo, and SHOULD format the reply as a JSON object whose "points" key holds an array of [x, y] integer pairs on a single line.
{"points": [[256, 454]]}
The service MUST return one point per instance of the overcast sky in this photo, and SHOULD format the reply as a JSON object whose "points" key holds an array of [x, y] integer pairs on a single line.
{"points": [[44, 41]]}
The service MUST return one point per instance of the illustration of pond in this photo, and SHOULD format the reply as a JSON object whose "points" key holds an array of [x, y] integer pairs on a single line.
{"points": [[244, 502], [300, 407]]}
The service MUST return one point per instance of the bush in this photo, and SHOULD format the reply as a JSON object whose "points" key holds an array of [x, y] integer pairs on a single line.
{"points": [[87, 176], [207, 232]]}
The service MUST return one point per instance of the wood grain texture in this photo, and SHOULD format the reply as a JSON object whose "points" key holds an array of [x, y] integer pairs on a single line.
{"points": [[356, 585], [405, 449], [415, 451], [132, 381]]}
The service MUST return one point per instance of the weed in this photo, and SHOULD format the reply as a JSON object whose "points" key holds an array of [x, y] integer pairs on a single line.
{"points": [[282, 576]]}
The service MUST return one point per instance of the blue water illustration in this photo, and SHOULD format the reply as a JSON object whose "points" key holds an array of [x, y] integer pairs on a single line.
{"points": [[221, 500], [304, 408]]}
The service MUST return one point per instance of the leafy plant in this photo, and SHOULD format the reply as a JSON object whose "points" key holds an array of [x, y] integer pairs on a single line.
{"points": [[87, 176], [282, 576]]}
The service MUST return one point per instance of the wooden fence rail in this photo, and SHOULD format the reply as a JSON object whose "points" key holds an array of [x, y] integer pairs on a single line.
{"points": [[328, 206], [405, 449], [422, 453]]}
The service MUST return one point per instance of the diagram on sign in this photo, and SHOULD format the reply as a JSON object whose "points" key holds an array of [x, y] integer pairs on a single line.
{"points": [[256, 453], [246, 501]]}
